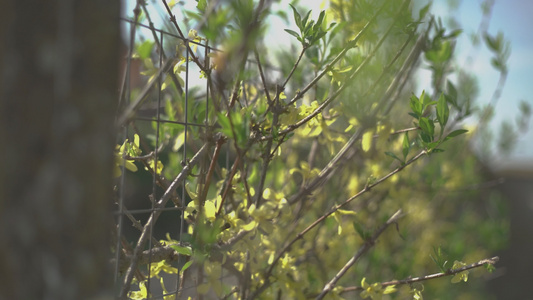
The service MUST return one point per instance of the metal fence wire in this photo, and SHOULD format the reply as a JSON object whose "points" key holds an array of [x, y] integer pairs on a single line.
{"points": [[164, 116]]}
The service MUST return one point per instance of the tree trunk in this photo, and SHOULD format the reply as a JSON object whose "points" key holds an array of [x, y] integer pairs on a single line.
{"points": [[58, 82]]}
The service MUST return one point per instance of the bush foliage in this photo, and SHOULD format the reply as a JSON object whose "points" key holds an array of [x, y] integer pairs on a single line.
{"points": [[320, 169]]}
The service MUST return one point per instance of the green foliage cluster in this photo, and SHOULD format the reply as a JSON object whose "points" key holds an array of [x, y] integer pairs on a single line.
{"points": [[339, 176]]}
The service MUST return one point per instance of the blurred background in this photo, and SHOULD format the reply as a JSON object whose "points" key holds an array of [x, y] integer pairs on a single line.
{"points": [[505, 142]]}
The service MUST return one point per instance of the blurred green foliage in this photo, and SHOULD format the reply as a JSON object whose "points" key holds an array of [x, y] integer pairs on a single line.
{"points": [[332, 119]]}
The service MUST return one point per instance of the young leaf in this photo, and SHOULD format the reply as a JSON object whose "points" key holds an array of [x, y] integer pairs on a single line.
{"points": [[186, 265], [405, 146], [393, 156], [427, 126], [452, 94], [304, 22], [453, 34], [456, 133], [412, 114], [145, 49], [442, 112], [422, 13], [423, 99], [182, 250], [297, 17], [366, 141], [318, 24], [293, 33], [416, 106]]}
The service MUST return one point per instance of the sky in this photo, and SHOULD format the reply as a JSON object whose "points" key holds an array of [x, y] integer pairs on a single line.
{"points": [[512, 17]]}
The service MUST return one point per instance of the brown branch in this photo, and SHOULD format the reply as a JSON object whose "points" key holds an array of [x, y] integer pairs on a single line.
{"points": [[327, 172], [487, 261], [301, 234], [128, 113], [262, 75], [267, 155], [398, 131], [125, 86], [173, 21], [221, 140], [366, 246], [153, 217], [228, 184], [298, 62], [338, 92], [351, 44]]}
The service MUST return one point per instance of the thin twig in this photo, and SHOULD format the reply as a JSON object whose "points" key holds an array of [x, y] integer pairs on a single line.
{"points": [[267, 155], [221, 140], [338, 92], [155, 215], [366, 246], [483, 262], [301, 234], [228, 184], [125, 86], [173, 21], [261, 73], [399, 131], [351, 44], [128, 113], [297, 63], [328, 171]]}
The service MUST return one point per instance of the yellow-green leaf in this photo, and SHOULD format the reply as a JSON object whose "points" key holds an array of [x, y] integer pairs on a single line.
{"points": [[366, 141]]}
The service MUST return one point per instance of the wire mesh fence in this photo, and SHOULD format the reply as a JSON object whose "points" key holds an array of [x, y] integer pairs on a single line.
{"points": [[164, 116]]}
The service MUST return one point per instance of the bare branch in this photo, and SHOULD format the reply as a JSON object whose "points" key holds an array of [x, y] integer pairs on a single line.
{"points": [[300, 235], [155, 214], [366, 246], [483, 262]]}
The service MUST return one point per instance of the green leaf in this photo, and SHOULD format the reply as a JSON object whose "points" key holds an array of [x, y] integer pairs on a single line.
{"points": [[182, 250], [297, 17], [441, 54], [496, 63], [426, 139], [224, 122], [366, 140], [293, 33], [427, 126], [405, 146], [202, 4], [145, 49], [492, 42], [304, 22], [416, 105], [318, 24], [186, 265], [361, 231], [422, 13], [443, 112], [452, 94], [412, 114], [453, 34], [393, 156], [456, 133], [423, 99]]}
